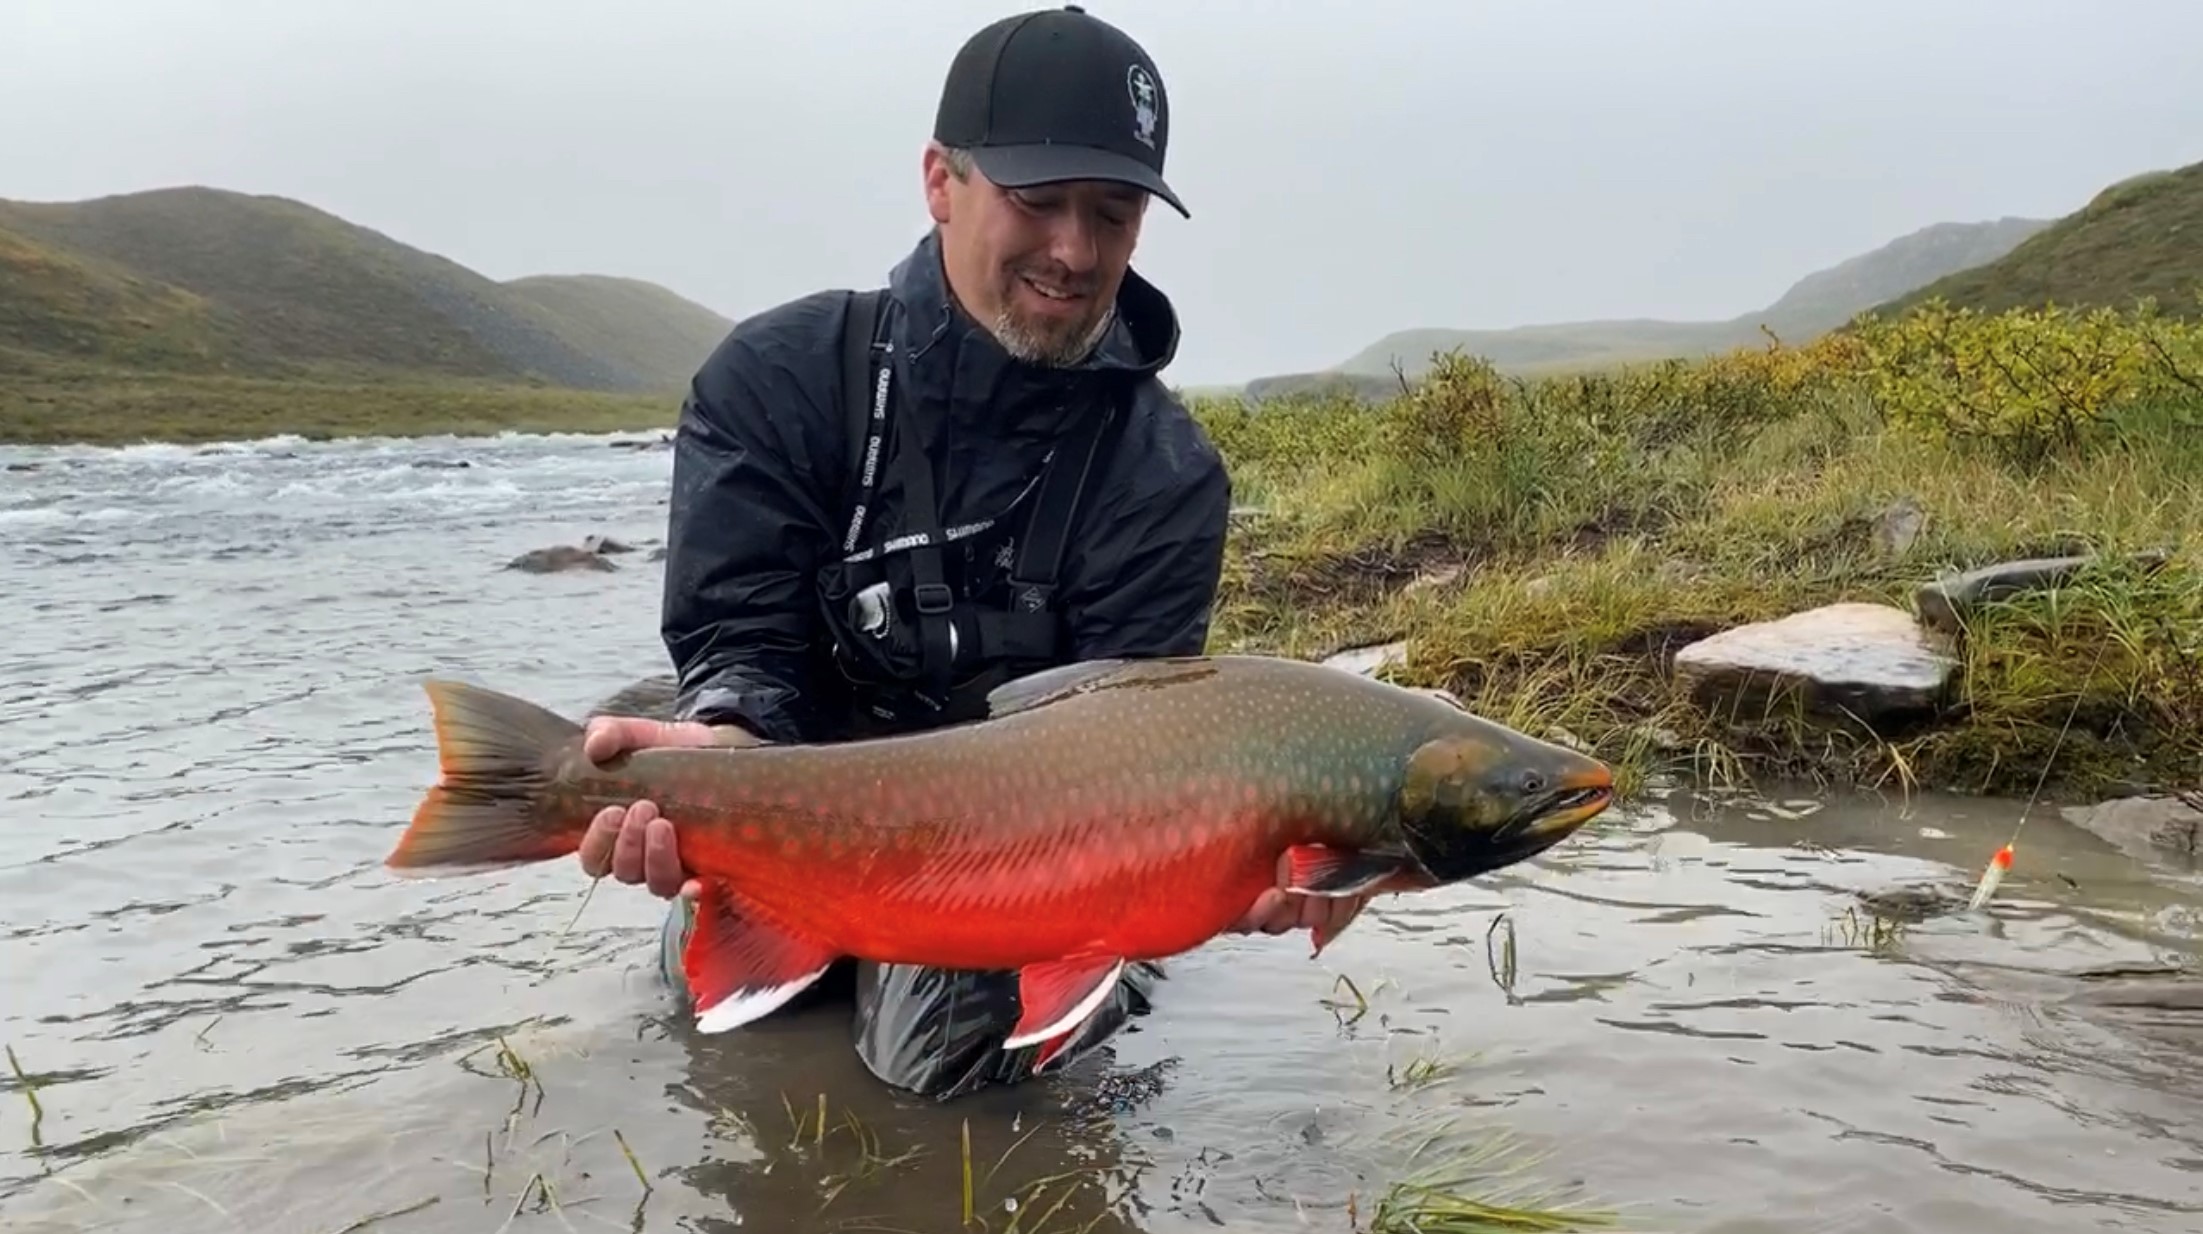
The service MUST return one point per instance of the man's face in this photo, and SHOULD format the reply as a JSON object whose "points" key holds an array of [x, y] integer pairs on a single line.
{"points": [[1039, 266]]}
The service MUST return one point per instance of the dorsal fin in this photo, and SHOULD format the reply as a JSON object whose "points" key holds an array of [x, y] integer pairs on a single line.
{"points": [[1048, 685]]}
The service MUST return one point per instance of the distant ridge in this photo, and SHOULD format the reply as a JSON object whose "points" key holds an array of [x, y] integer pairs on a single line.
{"points": [[1815, 304], [2141, 237], [205, 280]]}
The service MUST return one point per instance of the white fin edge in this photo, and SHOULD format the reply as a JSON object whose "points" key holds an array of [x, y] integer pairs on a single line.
{"points": [[1075, 1016], [740, 1009]]}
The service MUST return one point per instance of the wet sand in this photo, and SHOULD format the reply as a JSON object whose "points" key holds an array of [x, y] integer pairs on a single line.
{"points": [[234, 1019]]}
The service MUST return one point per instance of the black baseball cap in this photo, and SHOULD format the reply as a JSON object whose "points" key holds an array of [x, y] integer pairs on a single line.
{"points": [[1056, 95]]}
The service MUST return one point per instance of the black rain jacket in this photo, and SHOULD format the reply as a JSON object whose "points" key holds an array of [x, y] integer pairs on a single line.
{"points": [[762, 482], [765, 475]]}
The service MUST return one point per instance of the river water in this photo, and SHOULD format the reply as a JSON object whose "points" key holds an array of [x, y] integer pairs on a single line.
{"points": [[232, 1019]]}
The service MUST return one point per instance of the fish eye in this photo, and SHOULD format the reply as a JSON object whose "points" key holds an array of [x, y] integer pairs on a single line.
{"points": [[1532, 782]]}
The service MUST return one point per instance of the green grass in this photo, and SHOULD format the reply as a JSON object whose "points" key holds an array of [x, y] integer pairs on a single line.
{"points": [[1571, 534]]}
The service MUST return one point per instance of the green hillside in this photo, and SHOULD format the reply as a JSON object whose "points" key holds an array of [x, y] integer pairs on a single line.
{"points": [[642, 324], [206, 281], [1817, 303], [54, 303], [2138, 238]]}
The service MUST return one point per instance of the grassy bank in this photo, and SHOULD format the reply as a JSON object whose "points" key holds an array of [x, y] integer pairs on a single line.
{"points": [[1544, 546], [105, 407]]}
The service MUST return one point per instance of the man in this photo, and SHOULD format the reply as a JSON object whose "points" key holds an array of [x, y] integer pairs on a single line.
{"points": [[815, 588]]}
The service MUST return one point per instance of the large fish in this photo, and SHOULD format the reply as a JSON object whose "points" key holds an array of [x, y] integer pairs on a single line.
{"points": [[1102, 812]]}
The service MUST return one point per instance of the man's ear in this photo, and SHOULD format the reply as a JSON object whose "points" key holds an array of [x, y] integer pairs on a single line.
{"points": [[937, 178]]}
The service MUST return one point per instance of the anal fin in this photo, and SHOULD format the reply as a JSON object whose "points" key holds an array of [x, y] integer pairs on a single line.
{"points": [[740, 969], [1057, 997], [1320, 871]]}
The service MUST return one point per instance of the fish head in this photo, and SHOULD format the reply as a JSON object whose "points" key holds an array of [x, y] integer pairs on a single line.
{"points": [[1481, 796]]}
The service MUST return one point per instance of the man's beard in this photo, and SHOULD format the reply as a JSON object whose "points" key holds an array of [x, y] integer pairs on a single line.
{"points": [[1045, 346]]}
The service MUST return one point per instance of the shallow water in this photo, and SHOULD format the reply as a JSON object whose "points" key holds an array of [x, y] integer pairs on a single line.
{"points": [[235, 1020]]}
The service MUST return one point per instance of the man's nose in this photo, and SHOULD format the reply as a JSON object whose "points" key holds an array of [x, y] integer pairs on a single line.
{"points": [[1072, 242]]}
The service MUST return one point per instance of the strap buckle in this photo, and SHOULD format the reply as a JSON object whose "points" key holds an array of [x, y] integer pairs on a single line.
{"points": [[934, 597]]}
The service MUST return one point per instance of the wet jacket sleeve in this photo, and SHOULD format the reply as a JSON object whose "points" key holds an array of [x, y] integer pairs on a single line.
{"points": [[742, 534], [1149, 567]]}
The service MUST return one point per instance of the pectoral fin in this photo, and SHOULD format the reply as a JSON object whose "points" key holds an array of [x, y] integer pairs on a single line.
{"points": [[739, 968], [1320, 871], [1056, 997]]}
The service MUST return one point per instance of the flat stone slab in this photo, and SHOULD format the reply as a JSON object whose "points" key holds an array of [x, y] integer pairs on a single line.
{"points": [[1873, 660], [1368, 661]]}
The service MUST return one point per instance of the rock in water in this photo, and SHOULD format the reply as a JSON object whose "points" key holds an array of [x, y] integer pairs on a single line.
{"points": [[1872, 660], [557, 558], [2160, 829]]}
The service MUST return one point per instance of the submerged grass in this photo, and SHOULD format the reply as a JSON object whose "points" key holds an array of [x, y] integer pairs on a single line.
{"points": [[1544, 546]]}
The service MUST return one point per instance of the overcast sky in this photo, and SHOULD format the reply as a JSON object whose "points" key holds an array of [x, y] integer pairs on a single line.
{"points": [[1352, 167]]}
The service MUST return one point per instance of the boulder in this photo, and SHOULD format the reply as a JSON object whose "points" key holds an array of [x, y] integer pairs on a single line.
{"points": [[1946, 603], [2166, 829], [1897, 526], [557, 558], [1870, 660]]}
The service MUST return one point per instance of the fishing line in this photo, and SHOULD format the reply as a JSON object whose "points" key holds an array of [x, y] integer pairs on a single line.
{"points": [[2002, 861]]}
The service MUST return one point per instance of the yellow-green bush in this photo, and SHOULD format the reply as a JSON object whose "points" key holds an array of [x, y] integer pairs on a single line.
{"points": [[2032, 385], [1568, 531]]}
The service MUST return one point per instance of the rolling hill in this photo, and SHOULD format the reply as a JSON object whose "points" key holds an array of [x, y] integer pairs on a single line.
{"points": [[205, 281], [2138, 238], [1815, 304]]}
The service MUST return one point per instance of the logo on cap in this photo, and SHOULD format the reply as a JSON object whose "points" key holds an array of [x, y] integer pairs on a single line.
{"points": [[1141, 86]]}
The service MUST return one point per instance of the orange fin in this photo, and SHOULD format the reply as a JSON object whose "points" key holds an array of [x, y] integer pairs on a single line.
{"points": [[1320, 871], [1056, 997], [497, 756], [740, 969]]}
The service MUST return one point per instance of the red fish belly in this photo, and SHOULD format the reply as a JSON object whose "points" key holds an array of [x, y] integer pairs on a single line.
{"points": [[994, 896]]}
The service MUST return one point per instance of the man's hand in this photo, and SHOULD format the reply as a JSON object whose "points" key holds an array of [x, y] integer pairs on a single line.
{"points": [[1278, 911], [632, 843]]}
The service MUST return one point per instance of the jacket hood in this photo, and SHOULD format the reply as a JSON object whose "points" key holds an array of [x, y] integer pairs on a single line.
{"points": [[951, 361]]}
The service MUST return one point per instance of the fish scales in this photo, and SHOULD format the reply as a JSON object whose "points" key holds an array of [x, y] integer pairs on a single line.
{"points": [[1103, 812], [1182, 795]]}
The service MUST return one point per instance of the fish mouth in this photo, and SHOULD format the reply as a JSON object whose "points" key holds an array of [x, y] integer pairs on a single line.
{"points": [[1570, 808], [1563, 809]]}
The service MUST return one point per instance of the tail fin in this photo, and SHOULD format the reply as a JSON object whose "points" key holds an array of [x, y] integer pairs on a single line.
{"points": [[496, 755]]}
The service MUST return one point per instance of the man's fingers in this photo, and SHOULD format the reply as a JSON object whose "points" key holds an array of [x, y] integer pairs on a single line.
{"points": [[606, 736], [662, 859], [603, 737], [597, 842], [627, 852]]}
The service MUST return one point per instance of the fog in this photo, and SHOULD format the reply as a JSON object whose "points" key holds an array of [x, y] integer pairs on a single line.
{"points": [[1351, 168]]}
